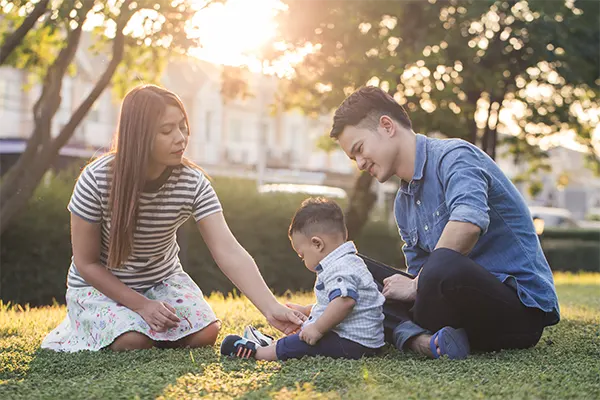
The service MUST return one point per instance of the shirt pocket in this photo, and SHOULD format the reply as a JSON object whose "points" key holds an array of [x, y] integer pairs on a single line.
{"points": [[319, 285], [440, 215]]}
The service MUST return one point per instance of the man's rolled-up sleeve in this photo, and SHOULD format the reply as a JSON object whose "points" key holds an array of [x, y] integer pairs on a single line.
{"points": [[465, 184]]}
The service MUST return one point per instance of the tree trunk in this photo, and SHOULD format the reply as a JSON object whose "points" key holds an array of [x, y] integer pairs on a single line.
{"points": [[33, 172], [43, 112], [487, 131], [473, 98], [14, 39], [361, 203], [492, 143], [490, 138]]}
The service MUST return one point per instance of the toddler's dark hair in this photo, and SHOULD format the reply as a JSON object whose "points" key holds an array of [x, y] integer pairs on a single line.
{"points": [[318, 215]]}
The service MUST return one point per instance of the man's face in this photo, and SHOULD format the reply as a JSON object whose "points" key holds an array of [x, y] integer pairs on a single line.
{"points": [[372, 148]]}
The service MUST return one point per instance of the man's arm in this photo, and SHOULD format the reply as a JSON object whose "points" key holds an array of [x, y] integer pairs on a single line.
{"points": [[459, 236], [465, 184]]}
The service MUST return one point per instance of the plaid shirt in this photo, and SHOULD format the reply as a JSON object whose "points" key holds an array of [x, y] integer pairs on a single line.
{"points": [[342, 273]]}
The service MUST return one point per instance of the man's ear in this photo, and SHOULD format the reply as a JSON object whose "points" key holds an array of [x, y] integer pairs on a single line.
{"points": [[387, 125], [317, 242]]}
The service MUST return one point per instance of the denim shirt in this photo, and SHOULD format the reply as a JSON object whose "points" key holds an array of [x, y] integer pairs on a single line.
{"points": [[456, 181]]}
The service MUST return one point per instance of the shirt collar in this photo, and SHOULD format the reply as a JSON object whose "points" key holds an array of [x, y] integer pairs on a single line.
{"points": [[342, 250], [420, 160]]}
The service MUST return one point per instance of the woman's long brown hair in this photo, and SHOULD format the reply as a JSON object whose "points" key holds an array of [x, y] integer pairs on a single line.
{"points": [[141, 112]]}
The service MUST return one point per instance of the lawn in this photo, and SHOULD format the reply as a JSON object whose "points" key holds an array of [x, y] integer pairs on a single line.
{"points": [[565, 364]]}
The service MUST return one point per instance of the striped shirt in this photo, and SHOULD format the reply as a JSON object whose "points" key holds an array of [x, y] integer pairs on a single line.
{"points": [[161, 211], [342, 273]]}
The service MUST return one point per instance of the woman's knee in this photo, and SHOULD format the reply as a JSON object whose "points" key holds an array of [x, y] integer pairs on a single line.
{"points": [[132, 341], [205, 337]]}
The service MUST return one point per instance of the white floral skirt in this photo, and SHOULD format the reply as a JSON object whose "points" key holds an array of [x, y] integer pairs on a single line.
{"points": [[94, 321]]}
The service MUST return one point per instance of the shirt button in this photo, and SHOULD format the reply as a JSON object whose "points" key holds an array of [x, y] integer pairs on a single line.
{"points": [[426, 227], [418, 202], [437, 213]]}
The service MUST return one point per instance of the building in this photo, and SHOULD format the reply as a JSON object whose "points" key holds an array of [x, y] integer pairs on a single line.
{"points": [[243, 136], [239, 137]]}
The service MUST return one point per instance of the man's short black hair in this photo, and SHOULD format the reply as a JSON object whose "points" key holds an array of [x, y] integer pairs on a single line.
{"points": [[364, 108], [318, 215]]}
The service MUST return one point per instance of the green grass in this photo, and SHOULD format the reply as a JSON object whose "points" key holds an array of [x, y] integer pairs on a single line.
{"points": [[565, 364]]}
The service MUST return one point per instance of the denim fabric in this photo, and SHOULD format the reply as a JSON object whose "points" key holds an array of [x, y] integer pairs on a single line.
{"points": [[456, 181]]}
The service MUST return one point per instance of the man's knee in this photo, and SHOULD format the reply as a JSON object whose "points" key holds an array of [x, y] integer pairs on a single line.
{"points": [[205, 337], [132, 341], [443, 266]]}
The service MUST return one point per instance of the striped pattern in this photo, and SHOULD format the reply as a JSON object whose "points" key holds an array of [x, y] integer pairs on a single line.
{"points": [[154, 257]]}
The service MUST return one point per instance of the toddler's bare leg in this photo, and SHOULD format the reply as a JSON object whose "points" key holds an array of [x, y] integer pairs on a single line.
{"points": [[268, 353]]}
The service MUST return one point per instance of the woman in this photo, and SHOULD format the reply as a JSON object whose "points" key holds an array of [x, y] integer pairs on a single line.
{"points": [[126, 288]]}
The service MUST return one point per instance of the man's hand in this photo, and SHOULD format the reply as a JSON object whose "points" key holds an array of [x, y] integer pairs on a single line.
{"points": [[310, 334], [285, 319], [400, 287]]}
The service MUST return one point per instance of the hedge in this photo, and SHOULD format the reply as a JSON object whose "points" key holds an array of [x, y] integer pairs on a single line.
{"points": [[36, 249], [581, 235]]}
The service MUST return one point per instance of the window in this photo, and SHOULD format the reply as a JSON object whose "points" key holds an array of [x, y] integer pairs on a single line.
{"points": [[235, 130], [207, 126], [66, 97], [10, 95], [264, 132], [94, 113]]}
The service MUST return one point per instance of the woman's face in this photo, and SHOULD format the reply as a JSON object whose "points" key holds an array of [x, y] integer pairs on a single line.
{"points": [[171, 138]]}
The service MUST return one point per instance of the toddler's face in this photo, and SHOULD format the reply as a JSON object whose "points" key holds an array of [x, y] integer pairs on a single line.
{"points": [[310, 250]]}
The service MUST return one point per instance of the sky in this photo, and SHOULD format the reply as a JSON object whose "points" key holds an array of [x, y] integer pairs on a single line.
{"points": [[233, 33], [230, 32]]}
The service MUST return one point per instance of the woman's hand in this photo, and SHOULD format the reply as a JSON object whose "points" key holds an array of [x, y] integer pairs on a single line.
{"points": [[285, 319], [158, 315], [303, 309]]}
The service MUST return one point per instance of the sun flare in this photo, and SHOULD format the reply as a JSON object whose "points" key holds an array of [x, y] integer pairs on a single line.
{"points": [[233, 32]]}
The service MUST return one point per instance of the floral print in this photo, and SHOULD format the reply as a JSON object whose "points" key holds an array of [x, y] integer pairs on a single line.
{"points": [[94, 321]]}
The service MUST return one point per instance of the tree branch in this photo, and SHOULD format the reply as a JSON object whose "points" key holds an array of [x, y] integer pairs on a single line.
{"points": [[15, 38], [44, 110], [117, 56]]}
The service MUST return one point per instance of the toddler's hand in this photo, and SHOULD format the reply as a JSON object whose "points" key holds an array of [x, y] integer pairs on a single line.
{"points": [[310, 334]]}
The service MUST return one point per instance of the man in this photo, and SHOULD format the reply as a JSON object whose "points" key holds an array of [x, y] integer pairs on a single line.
{"points": [[481, 280]]}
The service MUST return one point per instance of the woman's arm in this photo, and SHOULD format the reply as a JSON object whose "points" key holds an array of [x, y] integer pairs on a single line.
{"points": [[85, 238], [240, 268]]}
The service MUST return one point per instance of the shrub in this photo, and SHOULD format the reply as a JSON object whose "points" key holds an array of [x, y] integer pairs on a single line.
{"points": [[592, 235], [36, 249], [572, 255]]}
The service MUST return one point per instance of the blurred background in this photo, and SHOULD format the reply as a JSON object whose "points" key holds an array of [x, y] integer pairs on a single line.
{"points": [[260, 79]]}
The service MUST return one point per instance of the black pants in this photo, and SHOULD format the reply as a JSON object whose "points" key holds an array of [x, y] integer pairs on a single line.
{"points": [[455, 291]]}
